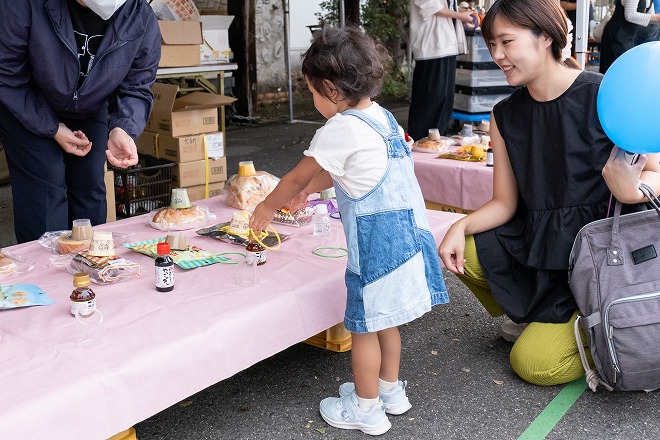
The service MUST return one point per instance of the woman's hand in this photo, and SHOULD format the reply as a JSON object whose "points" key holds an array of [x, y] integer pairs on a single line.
{"points": [[622, 178], [122, 151], [452, 247], [73, 142]]}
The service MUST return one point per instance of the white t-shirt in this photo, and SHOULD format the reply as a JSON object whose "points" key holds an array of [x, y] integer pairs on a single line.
{"points": [[352, 152]]}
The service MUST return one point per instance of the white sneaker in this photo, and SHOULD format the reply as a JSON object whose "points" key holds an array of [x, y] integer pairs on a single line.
{"points": [[510, 331], [395, 402], [343, 412]]}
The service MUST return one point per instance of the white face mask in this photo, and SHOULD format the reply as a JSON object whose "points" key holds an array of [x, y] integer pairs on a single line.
{"points": [[104, 8]]}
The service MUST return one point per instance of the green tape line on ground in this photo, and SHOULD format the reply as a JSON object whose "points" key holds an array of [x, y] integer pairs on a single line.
{"points": [[552, 414]]}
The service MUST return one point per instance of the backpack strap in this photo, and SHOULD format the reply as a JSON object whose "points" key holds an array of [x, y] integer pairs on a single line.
{"points": [[591, 376]]}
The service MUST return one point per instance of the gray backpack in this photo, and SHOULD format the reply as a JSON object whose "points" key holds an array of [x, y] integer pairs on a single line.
{"points": [[614, 274]]}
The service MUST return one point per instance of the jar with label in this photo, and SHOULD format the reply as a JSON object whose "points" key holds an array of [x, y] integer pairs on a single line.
{"points": [[164, 268], [255, 250], [83, 298]]}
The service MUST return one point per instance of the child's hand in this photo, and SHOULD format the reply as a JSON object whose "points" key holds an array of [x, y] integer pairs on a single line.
{"points": [[297, 202], [261, 217]]}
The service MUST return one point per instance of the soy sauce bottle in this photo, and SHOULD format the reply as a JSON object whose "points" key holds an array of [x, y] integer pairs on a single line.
{"points": [[164, 268], [489, 156], [83, 298], [255, 251]]}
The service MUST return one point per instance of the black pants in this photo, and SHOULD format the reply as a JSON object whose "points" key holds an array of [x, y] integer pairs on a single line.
{"points": [[432, 99], [51, 188]]}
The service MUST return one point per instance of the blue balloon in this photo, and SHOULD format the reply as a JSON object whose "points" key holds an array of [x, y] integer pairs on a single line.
{"points": [[629, 100]]}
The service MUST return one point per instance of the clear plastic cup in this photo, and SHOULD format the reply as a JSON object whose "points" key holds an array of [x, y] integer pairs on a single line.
{"points": [[246, 273], [89, 328]]}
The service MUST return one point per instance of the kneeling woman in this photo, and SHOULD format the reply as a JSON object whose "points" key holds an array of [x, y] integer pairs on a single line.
{"points": [[554, 170]]}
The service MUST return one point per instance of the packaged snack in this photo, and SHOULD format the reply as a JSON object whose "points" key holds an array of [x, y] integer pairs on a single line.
{"points": [[11, 263], [248, 190], [179, 219], [471, 153], [426, 145], [300, 217], [103, 270], [222, 231], [189, 258], [22, 295]]}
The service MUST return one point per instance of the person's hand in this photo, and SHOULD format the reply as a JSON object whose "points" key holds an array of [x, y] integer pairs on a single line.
{"points": [[261, 217], [465, 17], [452, 247], [297, 202], [622, 178], [73, 142], [122, 151]]}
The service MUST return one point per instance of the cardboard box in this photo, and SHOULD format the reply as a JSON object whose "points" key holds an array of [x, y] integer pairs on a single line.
{"points": [[180, 43], [109, 179], [215, 35], [186, 174], [198, 192], [182, 148], [175, 9], [193, 113]]}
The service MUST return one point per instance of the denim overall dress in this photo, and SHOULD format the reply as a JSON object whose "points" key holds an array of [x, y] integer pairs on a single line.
{"points": [[393, 274]]}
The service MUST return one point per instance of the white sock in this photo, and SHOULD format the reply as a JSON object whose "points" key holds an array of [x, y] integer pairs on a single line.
{"points": [[386, 386], [366, 404]]}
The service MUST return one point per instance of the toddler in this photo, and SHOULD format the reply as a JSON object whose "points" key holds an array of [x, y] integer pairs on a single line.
{"points": [[393, 272]]}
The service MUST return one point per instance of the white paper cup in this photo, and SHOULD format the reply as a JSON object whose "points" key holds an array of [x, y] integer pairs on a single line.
{"points": [[102, 244], [238, 225], [180, 199]]}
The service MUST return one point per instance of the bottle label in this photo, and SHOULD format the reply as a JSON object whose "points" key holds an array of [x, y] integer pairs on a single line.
{"points": [[83, 307], [321, 229], [259, 256], [165, 276]]}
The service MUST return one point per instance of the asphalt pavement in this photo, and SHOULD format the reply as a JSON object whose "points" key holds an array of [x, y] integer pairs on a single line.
{"points": [[456, 364]]}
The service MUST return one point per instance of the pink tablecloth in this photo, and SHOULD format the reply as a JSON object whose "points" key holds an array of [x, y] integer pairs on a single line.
{"points": [[158, 348], [461, 184]]}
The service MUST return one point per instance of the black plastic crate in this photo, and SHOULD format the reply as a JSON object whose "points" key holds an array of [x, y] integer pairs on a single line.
{"points": [[144, 187]]}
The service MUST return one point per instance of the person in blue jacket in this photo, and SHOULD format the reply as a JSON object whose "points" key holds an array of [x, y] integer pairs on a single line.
{"points": [[75, 91]]}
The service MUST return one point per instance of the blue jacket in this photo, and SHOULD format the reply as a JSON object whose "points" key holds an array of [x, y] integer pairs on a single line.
{"points": [[39, 67]]}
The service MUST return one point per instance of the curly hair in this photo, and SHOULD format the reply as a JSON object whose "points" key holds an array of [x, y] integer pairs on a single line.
{"points": [[349, 59]]}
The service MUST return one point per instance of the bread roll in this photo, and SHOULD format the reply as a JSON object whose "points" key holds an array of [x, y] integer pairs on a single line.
{"points": [[432, 145], [171, 216]]}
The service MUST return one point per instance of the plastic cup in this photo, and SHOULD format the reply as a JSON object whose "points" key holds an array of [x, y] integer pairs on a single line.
{"points": [[89, 329], [177, 241], [467, 130], [246, 168], [82, 229], [246, 275], [434, 134]]}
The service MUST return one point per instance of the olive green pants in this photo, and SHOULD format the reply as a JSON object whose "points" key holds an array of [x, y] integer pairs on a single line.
{"points": [[544, 354]]}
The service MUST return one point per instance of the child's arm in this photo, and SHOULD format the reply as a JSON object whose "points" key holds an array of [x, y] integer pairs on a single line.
{"points": [[292, 184], [320, 182]]}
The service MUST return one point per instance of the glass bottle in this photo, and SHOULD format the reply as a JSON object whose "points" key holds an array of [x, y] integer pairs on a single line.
{"points": [[489, 156], [164, 268], [254, 250], [83, 298]]}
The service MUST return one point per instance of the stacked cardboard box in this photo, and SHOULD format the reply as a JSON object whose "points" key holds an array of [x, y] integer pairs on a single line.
{"points": [[185, 130]]}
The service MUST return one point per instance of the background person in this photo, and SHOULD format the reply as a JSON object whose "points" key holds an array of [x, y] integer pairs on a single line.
{"points": [[75, 80], [361, 152], [554, 168], [436, 37], [633, 22]]}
